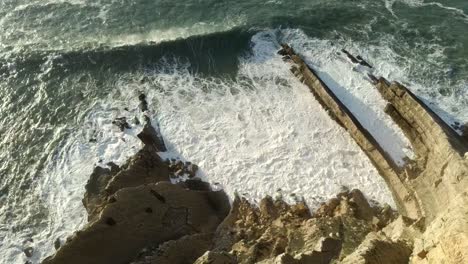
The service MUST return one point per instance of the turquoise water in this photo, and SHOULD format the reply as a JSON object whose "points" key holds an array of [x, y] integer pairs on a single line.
{"points": [[62, 60]]}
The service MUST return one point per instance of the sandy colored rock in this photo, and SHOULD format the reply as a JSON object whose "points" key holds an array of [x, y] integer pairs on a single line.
{"points": [[275, 232], [430, 190], [145, 167], [124, 227], [213, 257]]}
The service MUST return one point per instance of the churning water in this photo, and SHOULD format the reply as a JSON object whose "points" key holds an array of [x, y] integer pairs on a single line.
{"points": [[221, 95]]}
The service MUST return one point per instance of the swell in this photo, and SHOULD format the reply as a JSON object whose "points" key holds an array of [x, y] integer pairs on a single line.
{"points": [[210, 53]]}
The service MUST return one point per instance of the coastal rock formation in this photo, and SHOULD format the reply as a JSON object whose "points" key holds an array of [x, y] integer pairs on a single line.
{"points": [[134, 208], [144, 168], [431, 190], [143, 216], [276, 232], [136, 215]]}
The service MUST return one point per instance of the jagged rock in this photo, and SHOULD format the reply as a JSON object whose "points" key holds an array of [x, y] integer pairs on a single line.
{"points": [[123, 228], [216, 257], [276, 232], [121, 123], [143, 168], [152, 138], [430, 190], [95, 187], [114, 168], [363, 209], [192, 170], [378, 249]]}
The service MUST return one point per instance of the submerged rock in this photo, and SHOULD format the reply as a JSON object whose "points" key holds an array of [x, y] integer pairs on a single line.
{"points": [[121, 123], [28, 252], [57, 243]]}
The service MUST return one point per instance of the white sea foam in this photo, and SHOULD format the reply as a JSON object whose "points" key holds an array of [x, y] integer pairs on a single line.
{"points": [[421, 3], [352, 86], [62, 186], [260, 134]]}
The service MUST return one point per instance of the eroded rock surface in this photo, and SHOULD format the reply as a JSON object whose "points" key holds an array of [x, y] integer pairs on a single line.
{"points": [[137, 216], [276, 232], [431, 190], [143, 216]]}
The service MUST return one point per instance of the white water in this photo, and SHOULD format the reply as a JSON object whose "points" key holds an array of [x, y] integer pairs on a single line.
{"points": [[261, 134]]}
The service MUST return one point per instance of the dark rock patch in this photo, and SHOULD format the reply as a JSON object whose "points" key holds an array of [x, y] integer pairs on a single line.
{"points": [[110, 221], [158, 196], [28, 252]]}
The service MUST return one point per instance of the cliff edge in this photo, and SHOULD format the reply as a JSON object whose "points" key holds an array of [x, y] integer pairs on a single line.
{"points": [[136, 215]]}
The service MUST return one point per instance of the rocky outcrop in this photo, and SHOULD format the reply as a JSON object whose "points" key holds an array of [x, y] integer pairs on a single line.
{"points": [[145, 167], [431, 190], [134, 208], [142, 216], [136, 215], [275, 232]]}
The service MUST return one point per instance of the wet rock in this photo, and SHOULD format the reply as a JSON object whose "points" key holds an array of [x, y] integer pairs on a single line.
{"points": [[152, 138], [179, 173], [464, 131], [143, 103], [143, 106], [192, 170], [143, 80], [363, 62], [114, 168], [95, 189], [350, 57], [121, 123], [179, 165], [28, 252], [57, 243], [196, 185], [136, 121], [373, 79]]}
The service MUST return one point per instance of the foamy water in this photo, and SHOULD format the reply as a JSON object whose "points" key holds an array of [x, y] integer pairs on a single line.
{"points": [[261, 133]]}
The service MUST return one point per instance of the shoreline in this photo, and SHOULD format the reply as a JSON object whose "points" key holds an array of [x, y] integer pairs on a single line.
{"points": [[137, 216]]}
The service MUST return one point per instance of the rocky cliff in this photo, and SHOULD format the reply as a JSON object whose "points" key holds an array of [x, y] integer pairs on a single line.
{"points": [[136, 215], [431, 190]]}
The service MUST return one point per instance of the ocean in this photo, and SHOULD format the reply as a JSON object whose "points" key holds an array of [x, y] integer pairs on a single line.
{"points": [[221, 95]]}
